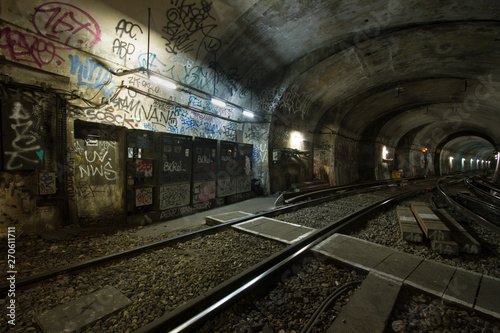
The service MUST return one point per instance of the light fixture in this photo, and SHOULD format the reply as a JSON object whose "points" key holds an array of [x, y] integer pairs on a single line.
{"points": [[248, 114], [218, 102], [424, 149], [164, 82], [385, 154], [296, 140]]}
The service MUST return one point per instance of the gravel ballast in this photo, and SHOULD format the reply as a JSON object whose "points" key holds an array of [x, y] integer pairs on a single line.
{"points": [[156, 282], [290, 304]]}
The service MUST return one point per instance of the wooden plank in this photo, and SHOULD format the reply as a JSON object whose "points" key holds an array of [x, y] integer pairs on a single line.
{"points": [[466, 243], [410, 231], [429, 222]]}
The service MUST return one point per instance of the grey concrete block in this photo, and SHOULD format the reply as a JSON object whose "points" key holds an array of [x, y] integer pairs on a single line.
{"points": [[75, 315], [370, 307]]}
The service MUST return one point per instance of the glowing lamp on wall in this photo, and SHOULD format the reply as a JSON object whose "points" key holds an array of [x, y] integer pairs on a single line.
{"points": [[385, 154], [165, 83], [296, 140], [248, 114], [218, 102]]}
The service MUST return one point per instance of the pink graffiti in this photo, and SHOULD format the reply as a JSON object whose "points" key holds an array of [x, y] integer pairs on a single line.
{"points": [[64, 22], [28, 48]]}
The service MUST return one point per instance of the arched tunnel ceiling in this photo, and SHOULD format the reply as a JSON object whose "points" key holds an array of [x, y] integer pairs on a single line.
{"points": [[471, 147], [377, 68]]}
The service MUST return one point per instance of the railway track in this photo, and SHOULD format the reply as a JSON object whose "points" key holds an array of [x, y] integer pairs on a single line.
{"points": [[306, 200], [193, 314], [462, 198]]}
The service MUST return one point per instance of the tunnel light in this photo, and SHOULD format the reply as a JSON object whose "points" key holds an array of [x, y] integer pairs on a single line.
{"points": [[248, 114], [424, 149], [165, 83], [451, 160], [218, 102], [296, 140]]}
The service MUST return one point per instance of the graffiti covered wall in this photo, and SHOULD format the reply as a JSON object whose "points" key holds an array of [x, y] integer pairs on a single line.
{"points": [[28, 170], [92, 57]]}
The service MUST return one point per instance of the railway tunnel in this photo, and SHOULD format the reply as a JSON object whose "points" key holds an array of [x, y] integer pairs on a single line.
{"points": [[121, 112]]}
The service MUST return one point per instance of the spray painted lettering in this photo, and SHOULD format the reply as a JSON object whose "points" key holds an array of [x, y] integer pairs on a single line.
{"points": [[24, 152], [98, 164], [123, 48], [144, 167], [46, 183], [91, 75], [174, 195], [67, 24], [28, 48], [143, 196], [204, 191], [187, 29]]}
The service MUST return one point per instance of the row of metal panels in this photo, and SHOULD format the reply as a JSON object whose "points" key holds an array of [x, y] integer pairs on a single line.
{"points": [[178, 170]]}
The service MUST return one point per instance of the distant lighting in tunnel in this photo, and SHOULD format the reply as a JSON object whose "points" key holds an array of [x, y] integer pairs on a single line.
{"points": [[218, 102], [451, 160], [296, 140], [248, 114], [424, 149]]}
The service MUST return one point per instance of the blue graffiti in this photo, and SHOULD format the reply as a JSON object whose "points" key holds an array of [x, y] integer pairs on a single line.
{"points": [[90, 74], [255, 155], [197, 78], [156, 65], [212, 128], [151, 127], [191, 124], [195, 101]]}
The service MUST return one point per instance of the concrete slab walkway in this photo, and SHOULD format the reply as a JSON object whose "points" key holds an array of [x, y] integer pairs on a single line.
{"points": [[370, 307], [452, 284], [252, 206], [278, 230]]}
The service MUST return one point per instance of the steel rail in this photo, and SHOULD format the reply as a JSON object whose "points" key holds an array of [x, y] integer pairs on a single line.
{"points": [[292, 197], [456, 205], [23, 282], [479, 189], [197, 311], [495, 210]]}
